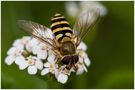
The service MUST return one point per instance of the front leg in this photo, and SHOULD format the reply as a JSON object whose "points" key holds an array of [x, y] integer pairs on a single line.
{"points": [[58, 56]]}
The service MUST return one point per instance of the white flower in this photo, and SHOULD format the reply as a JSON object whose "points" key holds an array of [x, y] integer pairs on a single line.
{"points": [[15, 51], [83, 60], [33, 42], [42, 54], [22, 41], [93, 4], [13, 54], [40, 51], [81, 69], [82, 54], [50, 66], [48, 33], [37, 48], [74, 9], [18, 54], [33, 63], [82, 46], [51, 58]]}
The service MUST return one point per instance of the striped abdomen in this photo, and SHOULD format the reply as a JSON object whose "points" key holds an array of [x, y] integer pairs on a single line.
{"points": [[60, 28]]}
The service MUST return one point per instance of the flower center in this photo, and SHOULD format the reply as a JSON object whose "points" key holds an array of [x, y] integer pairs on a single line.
{"points": [[31, 62], [52, 68]]}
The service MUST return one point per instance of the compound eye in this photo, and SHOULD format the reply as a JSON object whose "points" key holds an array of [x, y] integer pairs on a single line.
{"points": [[66, 60], [76, 58]]}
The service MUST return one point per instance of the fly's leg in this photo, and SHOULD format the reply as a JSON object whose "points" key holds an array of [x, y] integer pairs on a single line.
{"points": [[58, 56]]}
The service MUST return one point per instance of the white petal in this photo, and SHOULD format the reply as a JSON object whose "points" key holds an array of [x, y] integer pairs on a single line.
{"points": [[41, 44], [103, 9], [32, 70], [47, 64], [11, 50], [87, 61], [62, 78], [72, 70], [17, 42], [80, 71], [51, 58], [56, 73], [28, 47], [42, 54], [19, 60], [33, 42], [39, 64], [20, 47], [23, 65], [84, 68], [25, 39], [82, 46], [50, 52], [72, 9], [80, 59], [94, 4], [82, 54], [45, 71], [48, 33], [9, 60], [36, 49]]}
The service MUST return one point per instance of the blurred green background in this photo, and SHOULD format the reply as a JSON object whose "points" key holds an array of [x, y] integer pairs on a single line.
{"points": [[110, 46]]}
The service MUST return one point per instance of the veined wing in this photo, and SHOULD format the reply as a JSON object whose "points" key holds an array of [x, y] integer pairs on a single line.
{"points": [[38, 31], [84, 24]]}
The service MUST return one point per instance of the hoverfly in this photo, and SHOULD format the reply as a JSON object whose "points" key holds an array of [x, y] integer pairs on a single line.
{"points": [[63, 40]]}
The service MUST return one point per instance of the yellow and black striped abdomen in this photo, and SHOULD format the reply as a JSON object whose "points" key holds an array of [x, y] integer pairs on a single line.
{"points": [[60, 27]]}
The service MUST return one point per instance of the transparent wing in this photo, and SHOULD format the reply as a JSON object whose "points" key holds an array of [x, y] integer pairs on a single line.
{"points": [[84, 24], [38, 31]]}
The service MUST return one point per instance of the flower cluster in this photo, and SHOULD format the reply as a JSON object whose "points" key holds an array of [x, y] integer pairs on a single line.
{"points": [[75, 8], [33, 55]]}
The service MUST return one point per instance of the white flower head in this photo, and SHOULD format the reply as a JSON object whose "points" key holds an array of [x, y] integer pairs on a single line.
{"points": [[33, 63], [33, 55], [94, 4], [22, 56], [74, 9]]}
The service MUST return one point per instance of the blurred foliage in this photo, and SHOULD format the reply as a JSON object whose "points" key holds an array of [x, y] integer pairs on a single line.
{"points": [[110, 46]]}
